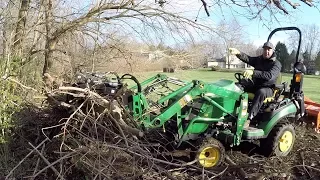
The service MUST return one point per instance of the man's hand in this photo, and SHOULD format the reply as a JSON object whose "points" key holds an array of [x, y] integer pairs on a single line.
{"points": [[248, 73], [234, 51]]}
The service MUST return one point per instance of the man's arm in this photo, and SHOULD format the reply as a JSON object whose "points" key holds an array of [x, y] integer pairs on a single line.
{"points": [[247, 59], [267, 75]]}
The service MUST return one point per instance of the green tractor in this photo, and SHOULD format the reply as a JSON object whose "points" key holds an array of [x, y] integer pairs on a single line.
{"points": [[211, 115]]}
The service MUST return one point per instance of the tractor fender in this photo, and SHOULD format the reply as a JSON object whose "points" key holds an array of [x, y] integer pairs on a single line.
{"points": [[288, 110]]}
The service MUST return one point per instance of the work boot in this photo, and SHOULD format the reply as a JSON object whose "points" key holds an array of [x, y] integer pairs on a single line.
{"points": [[246, 124]]}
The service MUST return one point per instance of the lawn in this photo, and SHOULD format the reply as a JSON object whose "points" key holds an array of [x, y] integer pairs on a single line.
{"points": [[311, 85]]}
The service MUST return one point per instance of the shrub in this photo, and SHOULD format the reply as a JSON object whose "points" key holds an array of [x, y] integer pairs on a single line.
{"points": [[168, 70], [185, 67], [215, 68]]}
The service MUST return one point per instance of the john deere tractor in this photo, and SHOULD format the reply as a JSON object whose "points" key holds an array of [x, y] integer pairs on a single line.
{"points": [[211, 115], [214, 113]]}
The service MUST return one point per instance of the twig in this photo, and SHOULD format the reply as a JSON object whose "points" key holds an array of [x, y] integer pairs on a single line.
{"points": [[164, 171], [120, 130], [303, 164], [176, 169], [173, 164], [77, 95], [205, 7], [106, 103], [19, 83], [85, 149], [10, 173], [277, 3], [222, 172], [310, 167], [90, 165], [70, 117], [252, 158], [46, 161], [52, 164], [243, 174], [38, 161], [294, 5], [117, 124], [308, 2], [86, 91], [50, 127], [64, 104]]}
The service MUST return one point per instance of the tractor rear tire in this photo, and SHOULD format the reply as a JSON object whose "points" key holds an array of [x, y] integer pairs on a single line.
{"points": [[210, 154], [280, 140]]}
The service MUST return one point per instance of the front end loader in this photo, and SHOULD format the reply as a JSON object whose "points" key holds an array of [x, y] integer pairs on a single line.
{"points": [[210, 115]]}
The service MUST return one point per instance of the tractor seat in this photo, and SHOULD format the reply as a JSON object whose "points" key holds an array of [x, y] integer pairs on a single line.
{"points": [[278, 89]]}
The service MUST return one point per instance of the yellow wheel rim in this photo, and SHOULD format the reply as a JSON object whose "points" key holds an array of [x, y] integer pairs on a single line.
{"points": [[285, 141], [209, 157]]}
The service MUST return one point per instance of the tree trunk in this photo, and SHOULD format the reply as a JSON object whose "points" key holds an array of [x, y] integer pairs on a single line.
{"points": [[20, 27], [49, 43], [228, 58]]}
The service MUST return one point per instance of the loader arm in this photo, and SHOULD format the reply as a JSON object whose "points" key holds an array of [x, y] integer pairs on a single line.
{"points": [[218, 100], [184, 95]]}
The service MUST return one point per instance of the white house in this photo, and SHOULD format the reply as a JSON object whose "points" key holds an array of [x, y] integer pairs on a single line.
{"points": [[217, 62], [224, 62]]}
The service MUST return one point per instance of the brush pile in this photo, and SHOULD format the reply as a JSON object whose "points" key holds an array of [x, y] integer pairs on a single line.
{"points": [[86, 132]]}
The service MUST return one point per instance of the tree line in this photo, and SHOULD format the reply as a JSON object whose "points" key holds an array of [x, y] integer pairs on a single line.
{"points": [[309, 52]]}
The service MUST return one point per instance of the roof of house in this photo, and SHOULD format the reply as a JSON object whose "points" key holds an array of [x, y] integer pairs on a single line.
{"points": [[216, 59]]}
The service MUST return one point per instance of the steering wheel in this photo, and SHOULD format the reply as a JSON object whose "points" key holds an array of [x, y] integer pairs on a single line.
{"points": [[240, 77]]}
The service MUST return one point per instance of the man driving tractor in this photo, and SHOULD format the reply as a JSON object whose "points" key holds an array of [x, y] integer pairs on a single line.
{"points": [[264, 76]]}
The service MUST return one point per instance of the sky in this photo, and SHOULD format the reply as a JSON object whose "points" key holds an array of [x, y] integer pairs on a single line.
{"points": [[301, 16], [256, 30]]}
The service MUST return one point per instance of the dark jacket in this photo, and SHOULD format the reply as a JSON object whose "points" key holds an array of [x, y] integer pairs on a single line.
{"points": [[266, 71]]}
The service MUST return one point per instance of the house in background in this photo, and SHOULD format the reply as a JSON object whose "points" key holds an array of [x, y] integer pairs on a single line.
{"points": [[216, 62], [156, 55], [223, 62]]}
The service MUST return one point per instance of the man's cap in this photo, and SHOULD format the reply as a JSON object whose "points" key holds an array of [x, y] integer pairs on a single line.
{"points": [[268, 44]]}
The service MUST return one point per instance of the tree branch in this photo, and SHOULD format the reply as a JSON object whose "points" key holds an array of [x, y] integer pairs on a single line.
{"points": [[205, 7]]}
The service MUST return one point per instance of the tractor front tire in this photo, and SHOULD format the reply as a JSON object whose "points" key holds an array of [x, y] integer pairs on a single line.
{"points": [[211, 153], [280, 140]]}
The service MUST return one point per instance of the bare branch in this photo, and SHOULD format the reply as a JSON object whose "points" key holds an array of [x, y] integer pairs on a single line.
{"points": [[294, 5], [277, 3], [308, 2], [205, 7]]}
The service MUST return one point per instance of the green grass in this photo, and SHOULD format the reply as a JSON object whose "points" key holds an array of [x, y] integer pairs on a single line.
{"points": [[311, 84]]}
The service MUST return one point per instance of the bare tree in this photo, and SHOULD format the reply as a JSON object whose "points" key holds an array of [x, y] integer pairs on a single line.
{"points": [[194, 55], [118, 13], [310, 39], [7, 21], [231, 36], [258, 9]]}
